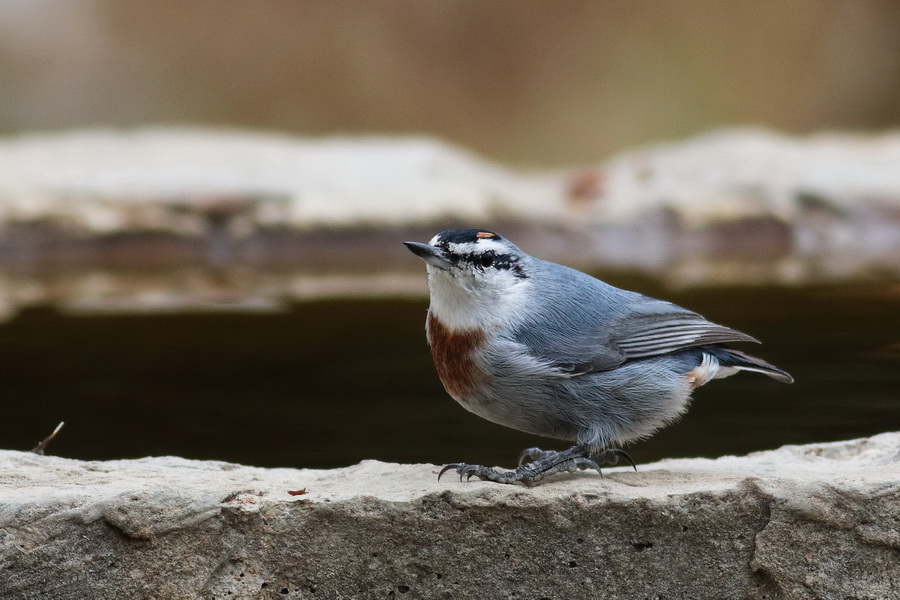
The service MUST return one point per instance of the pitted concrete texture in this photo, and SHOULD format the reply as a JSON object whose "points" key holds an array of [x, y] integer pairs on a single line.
{"points": [[817, 521]]}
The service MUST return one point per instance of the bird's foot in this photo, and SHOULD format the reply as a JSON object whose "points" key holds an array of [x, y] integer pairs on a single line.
{"points": [[607, 457], [540, 464], [526, 474]]}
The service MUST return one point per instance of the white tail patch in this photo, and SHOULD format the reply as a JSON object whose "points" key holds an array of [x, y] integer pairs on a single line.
{"points": [[707, 370]]}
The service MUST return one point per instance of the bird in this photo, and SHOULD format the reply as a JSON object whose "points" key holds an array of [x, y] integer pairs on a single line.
{"points": [[552, 351]]}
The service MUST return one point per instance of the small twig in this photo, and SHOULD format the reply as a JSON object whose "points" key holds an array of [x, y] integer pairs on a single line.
{"points": [[39, 449]]}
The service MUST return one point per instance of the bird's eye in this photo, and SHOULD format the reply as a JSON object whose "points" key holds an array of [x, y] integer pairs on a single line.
{"points": [[486, 260]]}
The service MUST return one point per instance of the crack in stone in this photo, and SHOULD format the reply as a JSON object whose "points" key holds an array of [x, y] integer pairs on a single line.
{"points": [[761, 573]]}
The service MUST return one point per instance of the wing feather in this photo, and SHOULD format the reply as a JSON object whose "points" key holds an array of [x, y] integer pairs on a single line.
{"points": [[661, 333], [665, 329]]}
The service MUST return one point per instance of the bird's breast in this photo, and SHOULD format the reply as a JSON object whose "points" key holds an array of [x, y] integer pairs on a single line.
{"points": [[454, 357]]}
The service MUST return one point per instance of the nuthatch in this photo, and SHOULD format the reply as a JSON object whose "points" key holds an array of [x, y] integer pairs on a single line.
{"points": [[549, 350]]}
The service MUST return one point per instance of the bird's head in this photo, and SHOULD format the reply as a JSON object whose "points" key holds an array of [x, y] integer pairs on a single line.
{"points": [[474, 275]]}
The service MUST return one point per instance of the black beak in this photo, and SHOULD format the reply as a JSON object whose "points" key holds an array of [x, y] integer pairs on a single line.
{"points": [[433, 256]]}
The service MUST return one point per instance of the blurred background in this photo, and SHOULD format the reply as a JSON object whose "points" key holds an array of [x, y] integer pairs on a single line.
{"points": [[537, 85], [329, 373]]}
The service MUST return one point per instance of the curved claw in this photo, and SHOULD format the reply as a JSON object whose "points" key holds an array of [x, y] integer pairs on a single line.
{"points": [[623, 454], [468, 471], [588, 462], [457, 466]]}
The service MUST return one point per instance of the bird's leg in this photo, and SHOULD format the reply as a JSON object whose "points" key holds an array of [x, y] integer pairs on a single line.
{"points": [[543, 463]]}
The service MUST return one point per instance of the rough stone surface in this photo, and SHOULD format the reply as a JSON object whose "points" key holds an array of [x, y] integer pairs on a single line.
{"points": [[817, 521]]}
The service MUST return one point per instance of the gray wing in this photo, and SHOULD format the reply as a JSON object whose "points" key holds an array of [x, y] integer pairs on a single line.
{"points": [[658, 327], [586, 335]]}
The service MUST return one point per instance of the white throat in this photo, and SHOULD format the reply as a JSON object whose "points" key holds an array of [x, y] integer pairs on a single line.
{"points": [[463, 307]]}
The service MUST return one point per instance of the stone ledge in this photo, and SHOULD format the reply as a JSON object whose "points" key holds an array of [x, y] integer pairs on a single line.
{"points": [[799, 522]]}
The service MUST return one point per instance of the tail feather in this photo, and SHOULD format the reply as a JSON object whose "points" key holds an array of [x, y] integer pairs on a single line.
{"points": [[744, 362]]}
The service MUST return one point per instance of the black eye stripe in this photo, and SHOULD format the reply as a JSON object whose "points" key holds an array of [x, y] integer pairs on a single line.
{"points": [[488, 259], [491, 260]]}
